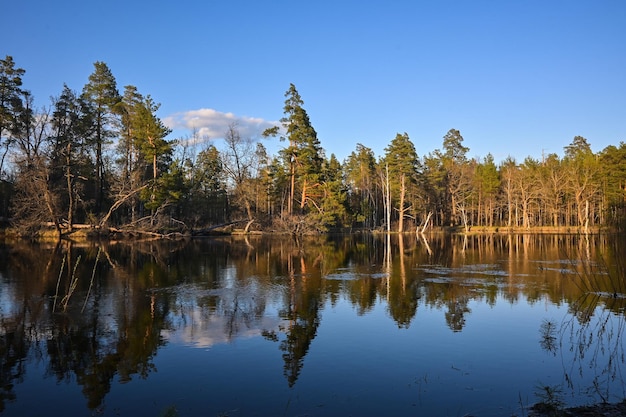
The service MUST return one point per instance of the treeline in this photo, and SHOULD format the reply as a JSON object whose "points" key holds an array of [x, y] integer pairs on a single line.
{"points": [[102, 158]]}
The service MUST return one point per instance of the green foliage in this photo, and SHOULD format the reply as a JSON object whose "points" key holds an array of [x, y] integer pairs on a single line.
{"points": [[333, 209], [453, 149], [101, 94], [361, 185], [71, 165], [583, 179], [11, 116], [613, 173], [206, 181], [168, 189], [402, 158], [402, 171], [149, 134], [436, 186], [578, 148], [488, 175], [487, 183], [63, 171], [458, 179], [304, 155], [10, 97]]}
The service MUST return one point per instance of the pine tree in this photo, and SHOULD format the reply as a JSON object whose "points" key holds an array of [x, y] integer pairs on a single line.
{"points": [[613, 170], [333, 207], [154, 150], [304, 155], [458, 175], [403, 164], [488, 184], [69, 164], [102, 95], [11, 104], [583, 179], [360, 176]]}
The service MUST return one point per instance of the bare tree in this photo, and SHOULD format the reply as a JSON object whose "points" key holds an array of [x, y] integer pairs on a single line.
{"points": [[35, 203], [240, 162]]}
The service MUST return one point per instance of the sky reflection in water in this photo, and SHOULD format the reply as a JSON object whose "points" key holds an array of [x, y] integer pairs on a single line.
{"points": [[319, 327]]}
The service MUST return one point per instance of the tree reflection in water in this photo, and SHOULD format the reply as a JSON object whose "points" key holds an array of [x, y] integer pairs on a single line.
{"points": [[115, 336], [132, 299], [591, 335]]}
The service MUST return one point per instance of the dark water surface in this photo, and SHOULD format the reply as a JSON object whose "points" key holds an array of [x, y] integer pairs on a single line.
{"points": [[332, 326]]}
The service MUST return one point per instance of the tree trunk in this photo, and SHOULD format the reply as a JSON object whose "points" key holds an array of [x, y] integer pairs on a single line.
{"points": [[386, 198], [292, 188], [99, 166], [303, 195], [401, 204], [70, 191]]}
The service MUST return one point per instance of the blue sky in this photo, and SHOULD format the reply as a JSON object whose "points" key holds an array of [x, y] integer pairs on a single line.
{"points": [[517, 78]]}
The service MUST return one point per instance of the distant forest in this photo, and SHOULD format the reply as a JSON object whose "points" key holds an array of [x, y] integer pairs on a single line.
{"points": [[101, 159]]}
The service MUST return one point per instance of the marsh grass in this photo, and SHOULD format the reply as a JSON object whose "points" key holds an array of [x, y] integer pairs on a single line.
{"points": [[73, 284], [591, 335], [551, 400]]}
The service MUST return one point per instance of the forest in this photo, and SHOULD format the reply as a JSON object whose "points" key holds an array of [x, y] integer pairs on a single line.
{"points": [[102, 160]]}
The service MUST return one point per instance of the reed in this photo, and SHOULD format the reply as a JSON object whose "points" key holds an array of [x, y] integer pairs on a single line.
{"points": [[56, 293], [93, 274], [72, 287], [593, 331]]}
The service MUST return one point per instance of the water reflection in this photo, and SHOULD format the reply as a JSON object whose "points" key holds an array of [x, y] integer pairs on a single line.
{"points": [[96, 315]]}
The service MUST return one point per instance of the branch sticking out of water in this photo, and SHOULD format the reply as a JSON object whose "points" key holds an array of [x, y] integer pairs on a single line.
{"points": [[56, 293], [93, 274], [72, 287]]}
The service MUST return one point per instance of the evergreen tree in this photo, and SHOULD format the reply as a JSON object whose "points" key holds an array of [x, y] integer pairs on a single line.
{"points": [[436, 187], [613, 171], [363, 194], [210, 192], [303, 156], [155, 151], [333, 208], [403, 169], [458, 176], [102, 95], [129, 175], [11, 104], [488, 184], [453, 149], [583, 180], [69, 163]]}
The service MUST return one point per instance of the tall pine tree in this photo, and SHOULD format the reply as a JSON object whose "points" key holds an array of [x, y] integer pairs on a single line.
{"points": [[304, 155], [101, 94], [403, 168]]}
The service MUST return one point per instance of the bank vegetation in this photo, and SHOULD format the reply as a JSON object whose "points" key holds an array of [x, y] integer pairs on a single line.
{"points": [[101, 161]]}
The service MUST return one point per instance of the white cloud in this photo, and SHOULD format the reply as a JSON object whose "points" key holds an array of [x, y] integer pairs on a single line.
{"points": [[201, 331], [213, 124]]}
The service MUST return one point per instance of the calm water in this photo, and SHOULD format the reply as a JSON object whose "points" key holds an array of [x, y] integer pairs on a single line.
{"points": [[353, 325]]}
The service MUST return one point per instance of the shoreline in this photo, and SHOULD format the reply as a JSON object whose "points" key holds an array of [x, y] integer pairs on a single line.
{"points": [[593, 410]]}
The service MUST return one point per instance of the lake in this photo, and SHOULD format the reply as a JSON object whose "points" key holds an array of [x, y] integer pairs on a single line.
{"points": [[352, 325]]}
